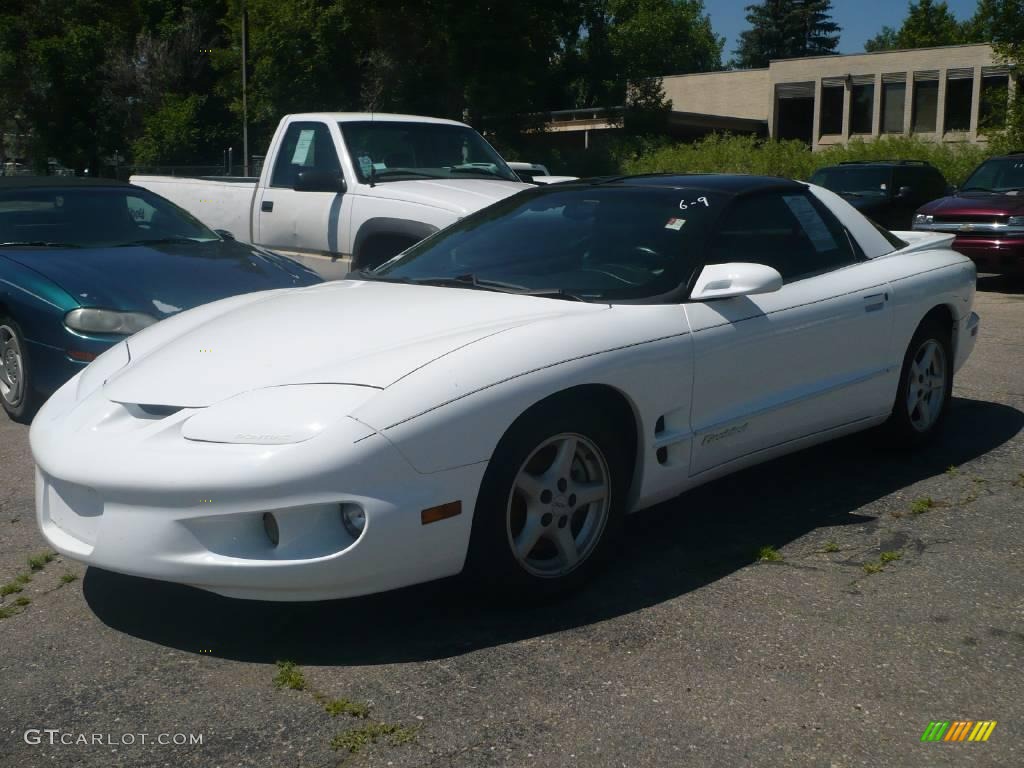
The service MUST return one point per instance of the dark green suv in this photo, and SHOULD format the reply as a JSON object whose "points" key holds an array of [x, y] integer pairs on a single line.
{"points": [[887, 191]]}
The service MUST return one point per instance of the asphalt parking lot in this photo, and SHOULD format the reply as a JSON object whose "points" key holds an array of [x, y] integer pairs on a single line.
{"points": [[897, 601]]}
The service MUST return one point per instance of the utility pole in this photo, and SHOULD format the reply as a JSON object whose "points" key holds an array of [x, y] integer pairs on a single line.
{"points": [[245, 81]]}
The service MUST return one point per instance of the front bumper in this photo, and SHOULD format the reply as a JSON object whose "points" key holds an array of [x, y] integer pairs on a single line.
{"points": [[966, 337], [131, 495], [992, 254]]}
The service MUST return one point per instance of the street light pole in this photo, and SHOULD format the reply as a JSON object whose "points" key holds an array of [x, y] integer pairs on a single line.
{"points": [[245, 79]]}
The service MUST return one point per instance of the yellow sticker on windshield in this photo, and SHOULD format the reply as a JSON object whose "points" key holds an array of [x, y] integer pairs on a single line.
{"points": [[675, 224]]}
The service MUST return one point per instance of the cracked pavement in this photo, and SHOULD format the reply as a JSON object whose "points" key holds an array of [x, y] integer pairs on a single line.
{"points": [[685, 652]]}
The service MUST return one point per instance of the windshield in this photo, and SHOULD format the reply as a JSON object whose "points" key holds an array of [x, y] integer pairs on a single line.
{"points": [[594, 243], [89, 217], [873, 182], [383, 150], [1001, 174]]}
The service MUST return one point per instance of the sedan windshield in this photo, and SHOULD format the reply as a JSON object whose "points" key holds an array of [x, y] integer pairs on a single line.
{"points": [[1000, 174], [594, 242], [869, 182], [394, 151], [92, 217]]}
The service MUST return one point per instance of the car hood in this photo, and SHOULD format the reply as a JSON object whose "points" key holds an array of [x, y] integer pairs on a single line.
{"points": [[163, 279], [458, 196], [346, 332], [975, 204]]}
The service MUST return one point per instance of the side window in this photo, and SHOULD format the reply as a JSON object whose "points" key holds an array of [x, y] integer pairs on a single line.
{"points": [[787, 231], [305, 146]]}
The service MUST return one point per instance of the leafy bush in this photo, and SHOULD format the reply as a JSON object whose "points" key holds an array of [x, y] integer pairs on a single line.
{"points": [[724, 153]]}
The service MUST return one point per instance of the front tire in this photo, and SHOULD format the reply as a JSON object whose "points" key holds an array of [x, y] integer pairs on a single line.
{"points": [[17, 397], [926, 384], [550, 505]]}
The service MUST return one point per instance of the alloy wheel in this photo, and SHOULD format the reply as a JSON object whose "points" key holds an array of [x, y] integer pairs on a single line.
{"points": [[12, 370], [926, 385]]}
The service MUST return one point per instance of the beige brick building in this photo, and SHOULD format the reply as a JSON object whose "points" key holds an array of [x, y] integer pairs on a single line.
{"points": [[952, 93]]}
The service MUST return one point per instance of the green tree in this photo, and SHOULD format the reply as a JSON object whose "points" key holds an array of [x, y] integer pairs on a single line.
{"points": [[929, 24], [787, 29], [886, 40]]}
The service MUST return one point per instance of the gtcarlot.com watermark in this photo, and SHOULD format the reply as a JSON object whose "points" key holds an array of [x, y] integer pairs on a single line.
{"points": [[55, 736]]}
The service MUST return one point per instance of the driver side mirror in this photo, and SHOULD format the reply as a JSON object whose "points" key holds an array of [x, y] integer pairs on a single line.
{"points": [[952, 189], [725, 281], [314, 180], [904, 193]]}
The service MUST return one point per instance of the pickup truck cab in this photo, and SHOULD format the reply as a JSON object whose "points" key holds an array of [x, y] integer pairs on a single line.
{"points": [[356, 187], [986, 215]]}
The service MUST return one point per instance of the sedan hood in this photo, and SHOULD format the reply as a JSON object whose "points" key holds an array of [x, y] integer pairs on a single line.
{"points": [[348, 332], [162, 279], [976, 204], [459, 196]]}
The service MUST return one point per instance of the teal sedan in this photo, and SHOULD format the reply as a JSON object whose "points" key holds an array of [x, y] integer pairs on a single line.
{"points": [[86, 262]]}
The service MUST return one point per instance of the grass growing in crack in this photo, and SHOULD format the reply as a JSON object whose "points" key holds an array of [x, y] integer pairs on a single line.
{"points": [[39, 561], [1019, 482], [769, 554], [883, 560], [890, 557], [336, 707], [22, 601], [952, 470], [67, 578], [6, 611], [831, 546], [873, 567], [10, 589], [922, 505], [356, 740], [289, 676]]}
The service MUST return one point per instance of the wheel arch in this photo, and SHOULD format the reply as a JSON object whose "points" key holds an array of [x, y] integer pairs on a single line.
{"points": [[382, 228], [945, 316]]}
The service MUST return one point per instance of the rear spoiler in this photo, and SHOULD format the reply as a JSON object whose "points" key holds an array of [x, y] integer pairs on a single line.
{"points": [[924, 241]]}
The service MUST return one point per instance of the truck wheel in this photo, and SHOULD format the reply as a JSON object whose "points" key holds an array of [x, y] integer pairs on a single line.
{"points": [[379, 249]]}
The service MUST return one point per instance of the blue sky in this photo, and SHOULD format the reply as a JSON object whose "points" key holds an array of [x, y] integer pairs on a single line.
{"points": [[859, 19]]}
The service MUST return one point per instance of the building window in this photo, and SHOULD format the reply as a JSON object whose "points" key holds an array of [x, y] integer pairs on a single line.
{"points": [[894, 96], [862, 108], [959, 94], [926, 106], [832, 110], [995, 98]]}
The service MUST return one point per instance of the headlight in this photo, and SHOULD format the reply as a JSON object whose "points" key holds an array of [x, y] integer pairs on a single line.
{"points": [[276, 415], [1016, 221], [922, 218], [107, 321]]}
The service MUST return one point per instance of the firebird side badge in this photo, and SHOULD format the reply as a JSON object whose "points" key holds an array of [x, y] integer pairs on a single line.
{"points": [[714, 437]]}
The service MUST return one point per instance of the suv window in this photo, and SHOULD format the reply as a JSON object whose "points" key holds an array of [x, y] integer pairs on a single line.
{"points": [[305, 146], [788, 231]]}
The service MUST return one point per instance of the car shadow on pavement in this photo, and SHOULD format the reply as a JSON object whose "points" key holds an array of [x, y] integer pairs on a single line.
{"points": [[1008, 284], [668, 550]]}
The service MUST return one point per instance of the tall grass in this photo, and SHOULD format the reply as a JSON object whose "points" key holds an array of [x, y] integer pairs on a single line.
{"points": [[724, 153]]}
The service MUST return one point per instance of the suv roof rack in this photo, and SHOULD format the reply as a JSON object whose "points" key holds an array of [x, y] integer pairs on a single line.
{"points": [[1015, 152], [893, 162]]}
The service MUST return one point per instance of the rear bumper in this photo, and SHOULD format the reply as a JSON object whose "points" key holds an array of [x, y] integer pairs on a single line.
{"points": [[1003, 255]]}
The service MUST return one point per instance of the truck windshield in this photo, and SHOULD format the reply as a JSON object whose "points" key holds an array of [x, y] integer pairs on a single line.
{"points": [[1000, 174], [383, 150], [872, 182], [93, 216], [594, 243]]}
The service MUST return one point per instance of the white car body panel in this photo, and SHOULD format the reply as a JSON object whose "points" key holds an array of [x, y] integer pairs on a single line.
{"points": [[395, 396]]}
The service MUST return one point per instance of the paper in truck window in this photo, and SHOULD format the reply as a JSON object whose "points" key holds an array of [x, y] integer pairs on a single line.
{"points": [[812, 222], [303, 148]]}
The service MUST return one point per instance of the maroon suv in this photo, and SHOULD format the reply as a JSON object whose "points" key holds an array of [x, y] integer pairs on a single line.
{"points": [[986, 214]]}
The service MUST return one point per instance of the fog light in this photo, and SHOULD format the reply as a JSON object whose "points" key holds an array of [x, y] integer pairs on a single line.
{"points": [[270, 526], [353, 517]]}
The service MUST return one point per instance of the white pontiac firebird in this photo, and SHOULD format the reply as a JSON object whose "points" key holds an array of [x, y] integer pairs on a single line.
{"points": [[499, 396]]}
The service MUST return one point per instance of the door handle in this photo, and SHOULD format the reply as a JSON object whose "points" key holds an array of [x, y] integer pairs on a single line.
{"points": [[875, 302], [267, 206]]}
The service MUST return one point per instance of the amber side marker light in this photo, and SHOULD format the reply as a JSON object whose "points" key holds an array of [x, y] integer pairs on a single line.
{"points": [[82, 357], [443, 512]]}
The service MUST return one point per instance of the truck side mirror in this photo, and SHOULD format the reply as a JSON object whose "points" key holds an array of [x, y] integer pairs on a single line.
{"points": [[904, 193], [313, 180], [952, 189]]}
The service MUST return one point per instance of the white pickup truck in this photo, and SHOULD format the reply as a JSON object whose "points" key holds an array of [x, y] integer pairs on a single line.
{"points": [[355, 187]]}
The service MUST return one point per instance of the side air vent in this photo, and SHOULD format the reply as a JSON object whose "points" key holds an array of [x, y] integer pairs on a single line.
{"points": [[158, 411]]}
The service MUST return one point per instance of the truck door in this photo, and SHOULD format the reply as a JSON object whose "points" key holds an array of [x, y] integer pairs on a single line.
{"points": [[301, 209]]}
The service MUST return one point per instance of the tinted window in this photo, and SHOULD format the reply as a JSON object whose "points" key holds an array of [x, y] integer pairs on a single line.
{"points": [[787, 231], [603, 242], [306, 146], [1001, 174], [862, 180], [94, 216]]}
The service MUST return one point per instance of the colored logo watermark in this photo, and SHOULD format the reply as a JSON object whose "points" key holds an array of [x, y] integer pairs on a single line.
{"points": [[958, 730]]}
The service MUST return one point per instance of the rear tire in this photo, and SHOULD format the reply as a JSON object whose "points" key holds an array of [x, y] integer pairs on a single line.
{"points": [[926, 384], [17, 396], [550, 506]]}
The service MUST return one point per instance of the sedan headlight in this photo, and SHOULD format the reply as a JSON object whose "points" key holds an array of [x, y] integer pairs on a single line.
{"points": [[108, 321], [922, 218], [1016, 221]]}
